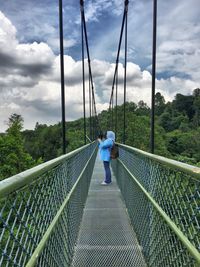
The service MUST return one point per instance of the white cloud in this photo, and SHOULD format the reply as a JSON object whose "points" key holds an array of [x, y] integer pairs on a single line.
{"points": [[54, 43], [30, 78], [7, 34], [178, 37], [178, 48], [139, 85], [95, 9]]}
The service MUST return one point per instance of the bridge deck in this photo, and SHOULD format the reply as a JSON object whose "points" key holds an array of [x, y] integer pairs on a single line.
{"points": [[106, 237]]}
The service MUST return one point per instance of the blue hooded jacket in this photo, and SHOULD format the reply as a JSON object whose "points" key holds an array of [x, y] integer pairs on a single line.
{"points": [[106, 145]]}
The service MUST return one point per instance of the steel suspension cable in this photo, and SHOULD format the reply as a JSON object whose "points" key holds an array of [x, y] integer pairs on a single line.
{"points": [[112, 113], [83, 76], [125, 65], [124, 23], [153, 74], [116, 89], [62, 77], [89, 62], [93, 118], [90, 122], [114, 79], [93, 125], [117, 60]]}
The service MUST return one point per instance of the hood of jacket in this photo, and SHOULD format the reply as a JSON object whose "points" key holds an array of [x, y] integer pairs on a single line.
{"points": [[110, 135]]}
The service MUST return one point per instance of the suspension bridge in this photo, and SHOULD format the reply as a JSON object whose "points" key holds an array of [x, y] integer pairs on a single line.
{"points": [[58, 214]]}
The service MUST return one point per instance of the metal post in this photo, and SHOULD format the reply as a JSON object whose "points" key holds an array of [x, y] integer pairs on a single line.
{"points": [[116, 105], [112, 111], [89, 64], [94, 120], [83, 69], [109, 122], [125, 63], [118, 52], [62, 75], [153, 74], [90, 120]]}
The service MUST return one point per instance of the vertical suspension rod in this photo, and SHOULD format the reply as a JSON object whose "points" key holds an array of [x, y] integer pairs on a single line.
{"points": [[83, 71], [116, 67], [116, 89], [62, 75], [90, 122], [112, 107], [153, 75], [117, 60], [89, 62], [125, 65], [93, 134]]}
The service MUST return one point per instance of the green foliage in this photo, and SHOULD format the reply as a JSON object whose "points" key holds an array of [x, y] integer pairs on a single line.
{"points": [[196, 104], [159, 104], [75, 139], [184, 104], [177, 133], [138, 132], [138, 135], [170, 123], [15, 124], [184, 143], [14, 158], [44, 142], [142, 109], [176, 126]]}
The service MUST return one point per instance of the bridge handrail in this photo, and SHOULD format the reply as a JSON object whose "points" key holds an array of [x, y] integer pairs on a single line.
{"points": [[22, 179], [189, 169], [162, 198], [34, 202], [39, 249], [193, 251]]}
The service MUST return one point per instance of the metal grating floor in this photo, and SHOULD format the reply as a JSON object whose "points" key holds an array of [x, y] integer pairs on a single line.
{"points": [[106, 237]]}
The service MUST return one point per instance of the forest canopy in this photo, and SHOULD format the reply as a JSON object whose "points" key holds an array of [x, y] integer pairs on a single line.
{"points": [[177, 133]]}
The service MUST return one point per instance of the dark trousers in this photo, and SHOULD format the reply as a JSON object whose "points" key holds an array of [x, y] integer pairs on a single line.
{"points": [[107, 171]]}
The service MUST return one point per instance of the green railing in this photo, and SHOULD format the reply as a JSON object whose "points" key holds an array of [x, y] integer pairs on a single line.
{"points": [[41, 209], [162, 197]]}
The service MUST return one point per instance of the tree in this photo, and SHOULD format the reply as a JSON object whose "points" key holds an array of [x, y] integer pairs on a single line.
{"points": [[15, 124], [50, 142], [131, 106], [138, 135], [159, 104], [196, 92], [14, 159], [142, 109], [173, 130], [138, 132], [165, 121], [44, 142], [196, 104], [186, 144], [183, 103]]}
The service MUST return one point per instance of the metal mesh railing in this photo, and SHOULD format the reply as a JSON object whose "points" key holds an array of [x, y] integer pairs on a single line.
{"points": [[30, 203], [163, 200]]}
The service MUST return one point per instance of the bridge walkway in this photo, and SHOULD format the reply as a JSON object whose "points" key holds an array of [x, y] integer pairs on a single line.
{"points": [[106, 237]]}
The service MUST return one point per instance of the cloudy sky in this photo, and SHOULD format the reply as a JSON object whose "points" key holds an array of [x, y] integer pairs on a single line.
{"points": [[29, 54]]}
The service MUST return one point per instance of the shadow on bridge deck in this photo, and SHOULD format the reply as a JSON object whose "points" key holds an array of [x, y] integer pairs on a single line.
{"points": [[106, 237]]}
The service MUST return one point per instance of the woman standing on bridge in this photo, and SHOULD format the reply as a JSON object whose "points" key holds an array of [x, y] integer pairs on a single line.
{"points": [[105, 149]]}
